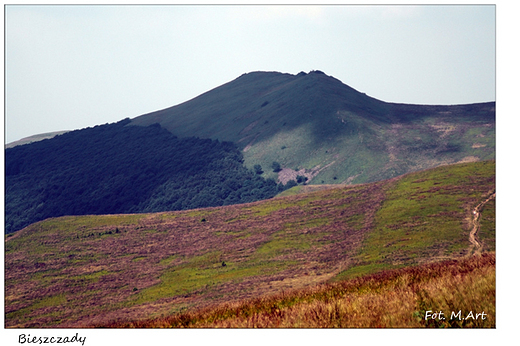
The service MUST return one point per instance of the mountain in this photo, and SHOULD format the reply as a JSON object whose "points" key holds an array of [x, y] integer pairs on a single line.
{"points": [[315, 126], [309, 128], [80, 271]]}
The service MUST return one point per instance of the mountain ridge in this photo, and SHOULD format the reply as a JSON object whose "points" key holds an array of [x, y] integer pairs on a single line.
{"points": [[260, 87], [316, 125]]}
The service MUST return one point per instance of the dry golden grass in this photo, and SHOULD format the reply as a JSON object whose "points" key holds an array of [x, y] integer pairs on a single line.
{"points": [[391, 299]]}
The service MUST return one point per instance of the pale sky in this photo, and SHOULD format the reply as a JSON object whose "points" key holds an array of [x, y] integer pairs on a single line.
{"points": [[70, 67]]}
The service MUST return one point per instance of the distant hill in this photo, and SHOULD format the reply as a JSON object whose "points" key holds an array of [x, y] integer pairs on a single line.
{"points": [[315, 126], [79, 271], [114, 168], [34, 138]]}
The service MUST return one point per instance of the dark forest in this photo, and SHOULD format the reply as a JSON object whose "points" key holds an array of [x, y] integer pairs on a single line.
{"points": [[117, 168]]}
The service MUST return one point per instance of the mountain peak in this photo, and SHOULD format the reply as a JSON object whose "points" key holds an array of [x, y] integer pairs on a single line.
{"points": [[281, 75], [315, 124], [226, 112]]}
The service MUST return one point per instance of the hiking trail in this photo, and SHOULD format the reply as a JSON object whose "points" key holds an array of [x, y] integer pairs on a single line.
{"points": [[476, 245]]}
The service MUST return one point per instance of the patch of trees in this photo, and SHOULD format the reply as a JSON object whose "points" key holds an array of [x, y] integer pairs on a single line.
{"points": [[115, 168], [276, 167]]}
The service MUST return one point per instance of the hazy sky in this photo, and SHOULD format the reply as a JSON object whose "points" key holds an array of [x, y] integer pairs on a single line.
{"points": [[70, 67]]}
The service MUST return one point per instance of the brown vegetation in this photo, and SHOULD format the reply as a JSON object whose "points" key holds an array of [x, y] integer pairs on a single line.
{"points": [[405, 298]]}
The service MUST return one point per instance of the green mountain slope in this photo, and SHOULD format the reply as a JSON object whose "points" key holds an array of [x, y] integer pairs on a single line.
{"points": [[316, 126], [78, 271]]}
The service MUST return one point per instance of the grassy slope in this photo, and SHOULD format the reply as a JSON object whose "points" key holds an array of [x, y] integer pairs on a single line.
{"points": [[460, 289], [77, 271], [314, 122], [417, 219]]}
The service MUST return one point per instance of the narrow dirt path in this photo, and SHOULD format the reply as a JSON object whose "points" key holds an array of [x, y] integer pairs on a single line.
{"points": [[476, 245]]}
